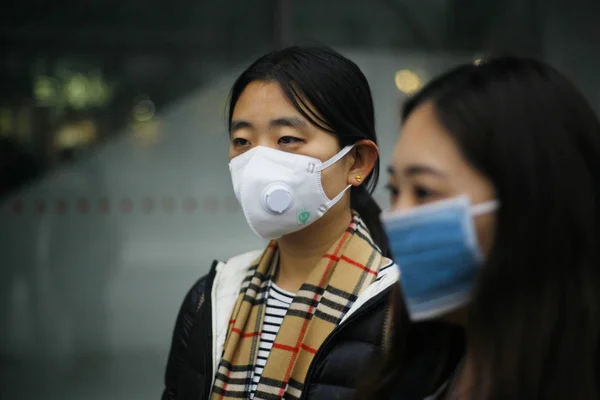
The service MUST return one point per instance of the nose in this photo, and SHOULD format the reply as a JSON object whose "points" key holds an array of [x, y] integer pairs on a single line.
{"points": [[265, 140], [404, 202]]}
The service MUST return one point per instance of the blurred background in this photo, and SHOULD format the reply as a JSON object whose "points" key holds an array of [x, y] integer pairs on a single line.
{"points": [[115, 193]]}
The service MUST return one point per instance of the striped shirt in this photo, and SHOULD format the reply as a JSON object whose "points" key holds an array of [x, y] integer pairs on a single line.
{"points": [[278, 302]]}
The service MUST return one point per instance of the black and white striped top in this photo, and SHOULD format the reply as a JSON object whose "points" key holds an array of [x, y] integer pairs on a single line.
{"points": [[278, 302]]}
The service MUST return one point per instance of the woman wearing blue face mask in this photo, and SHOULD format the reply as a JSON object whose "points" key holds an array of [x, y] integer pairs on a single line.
{"points": [[303, 317], [495, 224]]}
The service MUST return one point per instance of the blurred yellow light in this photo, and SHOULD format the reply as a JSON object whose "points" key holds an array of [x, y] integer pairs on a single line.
{"points": [[144, 111], [99, 91], [76, 91], [46, 90], [147, 133], [407, 81], [76, 134], [478, 61]]}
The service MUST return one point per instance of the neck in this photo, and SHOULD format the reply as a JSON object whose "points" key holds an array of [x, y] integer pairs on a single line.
{"points": [[458, 317], [464, 380], [300, 252]]}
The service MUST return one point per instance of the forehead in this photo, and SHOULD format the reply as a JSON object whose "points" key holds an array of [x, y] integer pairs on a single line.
{"points": [[262, 100], [423, 140]]}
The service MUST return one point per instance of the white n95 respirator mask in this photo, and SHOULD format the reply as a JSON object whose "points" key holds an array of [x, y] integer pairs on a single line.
{"points": [[280, 192]]}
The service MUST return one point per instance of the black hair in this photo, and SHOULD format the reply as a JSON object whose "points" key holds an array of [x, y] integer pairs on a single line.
{"points": [[421, 357], [332, 93], [534, 320]]}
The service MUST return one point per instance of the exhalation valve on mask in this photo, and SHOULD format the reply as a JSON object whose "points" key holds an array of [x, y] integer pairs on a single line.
{"points": [[281, 193], [277, 198]]}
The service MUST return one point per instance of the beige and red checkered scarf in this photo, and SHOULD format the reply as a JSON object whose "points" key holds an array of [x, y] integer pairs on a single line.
{"points": [[349, 267]]}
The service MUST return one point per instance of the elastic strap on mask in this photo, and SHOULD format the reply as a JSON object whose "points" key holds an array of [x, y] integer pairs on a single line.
{"points": [[484, 208], [334, 159], [332, 202]]}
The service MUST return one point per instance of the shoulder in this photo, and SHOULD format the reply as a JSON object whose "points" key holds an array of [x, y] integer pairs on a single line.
{"points": [[240, 262], [219, 270], [236, 267], [387, 275], [222, 273], [196, 293]]}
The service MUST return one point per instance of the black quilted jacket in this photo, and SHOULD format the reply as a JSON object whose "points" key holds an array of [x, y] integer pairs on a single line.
{"points": [[336, 370]]}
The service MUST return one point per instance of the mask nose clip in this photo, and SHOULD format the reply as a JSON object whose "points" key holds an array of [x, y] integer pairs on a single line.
{"points": [[277, 198]]}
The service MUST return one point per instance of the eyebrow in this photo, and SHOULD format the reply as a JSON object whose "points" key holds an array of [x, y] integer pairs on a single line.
{"points": [[278, 122], [417, 169], [236, 125], [289, 121]]}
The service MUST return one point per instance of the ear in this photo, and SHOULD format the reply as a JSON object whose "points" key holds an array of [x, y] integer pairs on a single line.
{"points": [[365, 154]]}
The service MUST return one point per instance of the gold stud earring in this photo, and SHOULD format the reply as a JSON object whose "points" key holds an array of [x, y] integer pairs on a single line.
{"points": [[358, 178]]}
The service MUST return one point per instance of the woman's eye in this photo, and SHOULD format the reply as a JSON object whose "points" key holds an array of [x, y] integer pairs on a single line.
{"points": [[240, 142], [289, 140], [393, 191], [423, 194]]}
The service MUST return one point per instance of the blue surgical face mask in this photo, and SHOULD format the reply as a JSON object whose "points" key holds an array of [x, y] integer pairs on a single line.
{"points": [[435, 246]]}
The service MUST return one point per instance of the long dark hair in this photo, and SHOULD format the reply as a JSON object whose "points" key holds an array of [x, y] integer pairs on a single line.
{"points": [[332, 93], [534, 322], [420, 358]]}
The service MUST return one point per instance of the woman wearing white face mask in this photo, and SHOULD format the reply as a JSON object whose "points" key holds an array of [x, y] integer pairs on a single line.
{"points": [[495, 224], [304, 317]]}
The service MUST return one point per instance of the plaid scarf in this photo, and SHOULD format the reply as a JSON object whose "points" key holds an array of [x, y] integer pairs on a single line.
{"points": [[348, 268]]}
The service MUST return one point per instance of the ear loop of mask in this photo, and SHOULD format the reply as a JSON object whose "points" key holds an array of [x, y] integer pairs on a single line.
{"points": [[319, 168], [484, 208], [475, 211], [334, 159]]}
